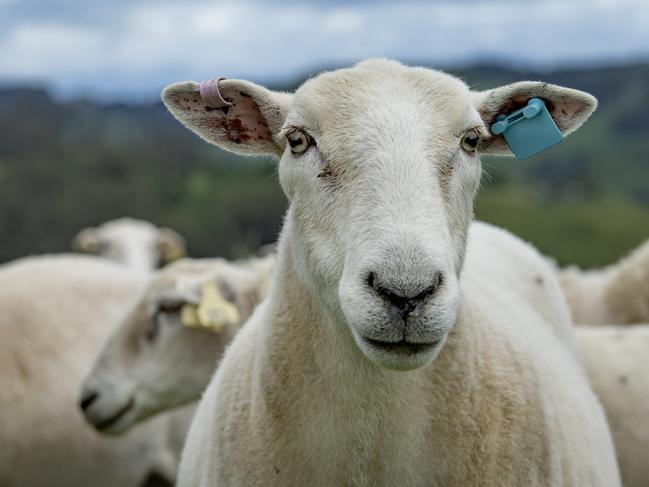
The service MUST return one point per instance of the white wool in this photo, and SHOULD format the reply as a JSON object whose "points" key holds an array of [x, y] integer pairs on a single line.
{"points": [[135, 243], [373, 361], [514, 264], [617, 360], [618, 293], [152, 358], [56, 310], [176, 366]]}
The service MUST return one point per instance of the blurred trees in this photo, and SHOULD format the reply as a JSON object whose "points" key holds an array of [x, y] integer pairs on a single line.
{"points": [[67, 165]]}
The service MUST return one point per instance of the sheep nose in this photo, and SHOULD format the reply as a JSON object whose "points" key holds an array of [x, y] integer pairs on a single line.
{"points": [[87, 400], [405, 304]]}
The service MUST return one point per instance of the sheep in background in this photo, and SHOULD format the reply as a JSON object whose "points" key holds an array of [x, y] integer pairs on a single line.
{"points": [[616, 360], [56, 312], [515, 264], [371, 362], [158, 357], [136, 243], [618, 293], [174, 363]]}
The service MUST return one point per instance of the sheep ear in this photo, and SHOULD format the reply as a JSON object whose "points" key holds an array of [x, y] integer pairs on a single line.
{"points": [[238, 116], [171, 245], [213, 312], [569, 108], [86, 241]]}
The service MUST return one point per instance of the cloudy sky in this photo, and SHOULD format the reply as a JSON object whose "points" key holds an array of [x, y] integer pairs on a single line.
{"points": [[131, 48]]}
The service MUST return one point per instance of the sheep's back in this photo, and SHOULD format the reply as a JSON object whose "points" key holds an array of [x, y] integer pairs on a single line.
{"points": [[518, 267], [616, 360], [56, 311]]}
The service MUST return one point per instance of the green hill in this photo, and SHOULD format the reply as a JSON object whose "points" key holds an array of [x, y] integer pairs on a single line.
{"points": [[64, 165]]}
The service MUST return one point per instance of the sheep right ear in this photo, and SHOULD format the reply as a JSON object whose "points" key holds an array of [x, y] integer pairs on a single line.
{"points": [[213, 310], [569, 108], [171, 244], [86, 241], [236, 115]]}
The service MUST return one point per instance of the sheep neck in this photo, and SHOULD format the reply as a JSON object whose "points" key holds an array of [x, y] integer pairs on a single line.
{"points": [[365, 417]]}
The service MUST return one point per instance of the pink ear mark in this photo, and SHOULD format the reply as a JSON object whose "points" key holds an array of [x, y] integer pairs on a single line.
{"points": [[237, 121], [210, 89]]}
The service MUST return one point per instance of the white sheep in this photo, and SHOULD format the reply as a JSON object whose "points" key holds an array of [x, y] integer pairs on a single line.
{"points": [[515, 264], [616, 361], [175, 362], [136, 243], [618, 293], [56, 310], [153, 360], [371, 362]]}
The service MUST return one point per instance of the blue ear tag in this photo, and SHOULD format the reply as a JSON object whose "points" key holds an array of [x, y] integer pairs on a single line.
{"points": [[529, 130]]}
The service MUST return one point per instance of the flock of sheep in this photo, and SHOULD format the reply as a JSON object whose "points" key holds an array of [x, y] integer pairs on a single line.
{"points": [[389, 340]]}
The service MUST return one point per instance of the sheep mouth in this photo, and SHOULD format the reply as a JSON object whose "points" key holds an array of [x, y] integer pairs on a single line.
{"points": [[107, 423], [403, 347]]}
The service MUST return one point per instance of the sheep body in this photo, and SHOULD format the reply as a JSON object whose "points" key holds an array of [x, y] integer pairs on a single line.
{"points": [[616, 360], [275, 418], [377, 359], [56, 310], [618, 293], [627, 295], [515, 264], [509, 261], [136, 243], [586, 295]]}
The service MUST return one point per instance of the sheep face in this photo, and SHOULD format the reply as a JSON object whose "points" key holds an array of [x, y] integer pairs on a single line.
{"points": [[135, 243], [380, 164], [381, 169], [627, 290], [153, 361]]}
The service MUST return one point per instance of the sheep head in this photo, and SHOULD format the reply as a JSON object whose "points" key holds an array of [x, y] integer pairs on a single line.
{"points": [[135, 243], [381, 164], [163, 354]]}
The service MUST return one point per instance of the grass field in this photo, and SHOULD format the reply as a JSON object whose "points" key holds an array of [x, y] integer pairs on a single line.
{"points": [[589, 233]]}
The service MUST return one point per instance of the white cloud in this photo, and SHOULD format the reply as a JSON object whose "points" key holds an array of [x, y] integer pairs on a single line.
{"points": [[140, 46], [31, 50]]}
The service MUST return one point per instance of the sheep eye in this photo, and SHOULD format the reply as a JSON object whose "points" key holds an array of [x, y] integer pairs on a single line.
{"points": [[299, 141], [170, 306], [151, 331], [470, 141], [166, 306]]}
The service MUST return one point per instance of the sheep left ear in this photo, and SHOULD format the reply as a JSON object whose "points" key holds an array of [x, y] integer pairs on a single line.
{"points": [[171, 245], [569, 108], [236, 115], [213, 312], [86, 241]]}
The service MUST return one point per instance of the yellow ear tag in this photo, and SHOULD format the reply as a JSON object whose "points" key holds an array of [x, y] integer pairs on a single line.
{"points": [[188, 316], [213, 313]]}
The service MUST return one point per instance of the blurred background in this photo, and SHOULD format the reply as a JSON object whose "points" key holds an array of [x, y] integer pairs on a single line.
{"points": [[84, 138]]}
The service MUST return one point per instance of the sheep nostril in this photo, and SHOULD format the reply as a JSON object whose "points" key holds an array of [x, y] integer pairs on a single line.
{"points": [[370, 279], [437, 281], [88, 400], [405, 304]]}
